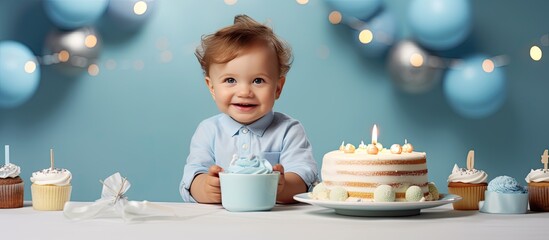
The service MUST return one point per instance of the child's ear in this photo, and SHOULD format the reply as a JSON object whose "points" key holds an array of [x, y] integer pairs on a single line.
{"points": [[279, 86], [210, 86]]}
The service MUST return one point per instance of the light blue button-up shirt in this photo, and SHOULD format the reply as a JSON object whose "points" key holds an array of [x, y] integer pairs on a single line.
{"points": [[276, 136]]}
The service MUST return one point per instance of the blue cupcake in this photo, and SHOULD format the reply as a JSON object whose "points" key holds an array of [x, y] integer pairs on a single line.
{"points": [[505, 195]]}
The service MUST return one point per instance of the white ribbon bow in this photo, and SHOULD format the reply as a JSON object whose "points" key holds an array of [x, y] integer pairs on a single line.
{"points": [[113, 203]]}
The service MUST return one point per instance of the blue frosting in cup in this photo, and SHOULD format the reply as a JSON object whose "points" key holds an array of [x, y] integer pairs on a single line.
{"points": [[249, 165], [506, 184]]}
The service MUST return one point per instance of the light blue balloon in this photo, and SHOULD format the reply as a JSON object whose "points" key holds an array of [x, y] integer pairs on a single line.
{"points": [[16, 85], [362, 9], [440, 24], [384, 29], [473, 92], [71, 14], [122, 14]]}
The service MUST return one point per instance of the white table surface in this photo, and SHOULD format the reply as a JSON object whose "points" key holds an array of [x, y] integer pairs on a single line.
{"points": [[299, 221]]}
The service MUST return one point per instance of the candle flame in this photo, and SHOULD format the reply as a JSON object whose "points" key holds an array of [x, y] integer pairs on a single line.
{"points": [[374, 135]]}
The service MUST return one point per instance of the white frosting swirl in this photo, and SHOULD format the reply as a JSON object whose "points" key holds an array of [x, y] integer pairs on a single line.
{"points": [[538, 175], [467, 176], [10, 170], [59, 177]]}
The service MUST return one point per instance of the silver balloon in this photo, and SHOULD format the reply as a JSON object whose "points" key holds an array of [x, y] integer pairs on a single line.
{"points": [[72, 52], [412, 69]]}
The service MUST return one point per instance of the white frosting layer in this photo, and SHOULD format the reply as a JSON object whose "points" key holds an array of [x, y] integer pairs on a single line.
{"points": [[537, 175], [467, 176], [10, 170], [361, 172], [59, 177]]}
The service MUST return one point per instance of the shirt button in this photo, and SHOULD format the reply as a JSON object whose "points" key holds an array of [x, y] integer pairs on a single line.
{"points": [[244, 146], [245, 130]]}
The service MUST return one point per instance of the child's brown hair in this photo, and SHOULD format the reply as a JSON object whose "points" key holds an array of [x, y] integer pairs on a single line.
{"points": [[227, 43]]}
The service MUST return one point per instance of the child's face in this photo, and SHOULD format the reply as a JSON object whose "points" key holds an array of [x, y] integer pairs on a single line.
{"points": [[246, 87]]}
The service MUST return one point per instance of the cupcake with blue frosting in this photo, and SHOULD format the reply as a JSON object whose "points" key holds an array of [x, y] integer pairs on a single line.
{"points": [[249, 184], [505, 195]]}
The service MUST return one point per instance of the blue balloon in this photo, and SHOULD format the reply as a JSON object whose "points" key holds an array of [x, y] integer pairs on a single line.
{"points": [[473, 92], [383, 30], [19, 74], [130, 14], [361, 9], [71, 14], [440, 24]]}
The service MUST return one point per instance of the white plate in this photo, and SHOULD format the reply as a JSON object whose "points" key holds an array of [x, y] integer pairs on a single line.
{"points": [[377, 209]]}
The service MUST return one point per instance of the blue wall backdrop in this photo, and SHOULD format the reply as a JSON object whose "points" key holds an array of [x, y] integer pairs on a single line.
{"points": [[138, 114]]}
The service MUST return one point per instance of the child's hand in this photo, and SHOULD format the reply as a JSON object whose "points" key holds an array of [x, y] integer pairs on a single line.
{"points": [[212, 185], [206, 187], [281, 179]]}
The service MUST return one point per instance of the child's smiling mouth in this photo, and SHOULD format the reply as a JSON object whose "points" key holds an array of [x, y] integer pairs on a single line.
{"points": [[244, 106]]}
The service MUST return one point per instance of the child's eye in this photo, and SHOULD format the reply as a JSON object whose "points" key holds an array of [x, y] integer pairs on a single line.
{"points": [[258, 81], [230, 80]]}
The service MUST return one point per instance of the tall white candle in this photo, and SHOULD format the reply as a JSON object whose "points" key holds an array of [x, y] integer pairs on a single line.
{"points": [[7, 154]]}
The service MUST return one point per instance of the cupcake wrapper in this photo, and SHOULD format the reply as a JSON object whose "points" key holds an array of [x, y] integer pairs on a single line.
{"points": [[471, 196], [538, 197], [49, 197], [11, 195]]}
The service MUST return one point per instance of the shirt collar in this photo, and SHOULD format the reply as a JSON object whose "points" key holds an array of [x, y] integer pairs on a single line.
{"points": [[258, 127]]}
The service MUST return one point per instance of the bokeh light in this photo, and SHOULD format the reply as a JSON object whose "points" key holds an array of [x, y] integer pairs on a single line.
{"points": [[535, 53], [138, 65], [110, 64], [93, 70], [323, 52], [230, 2], [488, 65], [335, 17], [302, 2], [416, 60], [166, 56], [90, 41], [30, 66], [63, 56], [139, 8], [366, 36]]}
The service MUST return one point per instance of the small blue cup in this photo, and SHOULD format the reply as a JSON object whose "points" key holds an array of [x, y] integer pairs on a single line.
{"points": [[505, 203], [248, 192]]}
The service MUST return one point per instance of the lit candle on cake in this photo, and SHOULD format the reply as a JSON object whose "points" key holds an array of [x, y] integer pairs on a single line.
{"points": [[7, 154], [374, 135], [372, 148]]}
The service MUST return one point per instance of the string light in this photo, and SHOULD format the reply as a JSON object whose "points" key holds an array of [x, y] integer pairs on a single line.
{"points": [[302, 2]]}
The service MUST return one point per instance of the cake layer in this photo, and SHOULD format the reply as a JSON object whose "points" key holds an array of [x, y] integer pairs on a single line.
{"points": [[360, 173]]}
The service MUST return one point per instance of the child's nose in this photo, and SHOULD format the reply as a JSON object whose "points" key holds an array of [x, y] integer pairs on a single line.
{"points": [[245, 90]]}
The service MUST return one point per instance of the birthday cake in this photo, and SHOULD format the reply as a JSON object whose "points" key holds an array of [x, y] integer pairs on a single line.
{"points": [[360, 171]]}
